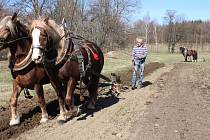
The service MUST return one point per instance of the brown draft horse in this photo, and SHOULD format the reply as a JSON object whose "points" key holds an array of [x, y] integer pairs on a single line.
{"points": [[26, 74], [187, 53], [47, 36]]}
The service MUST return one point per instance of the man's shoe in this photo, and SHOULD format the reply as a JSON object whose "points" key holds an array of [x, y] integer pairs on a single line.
{"points": [[133, 88], [141, 86]]}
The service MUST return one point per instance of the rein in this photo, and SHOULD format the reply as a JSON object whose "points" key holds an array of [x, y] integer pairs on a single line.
{"points": [[12, 41], [72, 36], [66, 34]]}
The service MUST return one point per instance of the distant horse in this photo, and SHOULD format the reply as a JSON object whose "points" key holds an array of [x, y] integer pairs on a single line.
{"points": [[82, 61], [26, 74], [188, 53], [194, 55]]}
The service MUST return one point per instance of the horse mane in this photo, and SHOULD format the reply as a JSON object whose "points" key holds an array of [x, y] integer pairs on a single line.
{"points": [[58, 28], [4, 21], [54, 30], [23, 27]]}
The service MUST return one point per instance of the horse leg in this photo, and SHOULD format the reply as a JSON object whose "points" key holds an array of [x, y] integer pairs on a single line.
{"points": [[93, 91], [60, 94], [73, 110], [185, 58], [39, 91], [15, 118]]}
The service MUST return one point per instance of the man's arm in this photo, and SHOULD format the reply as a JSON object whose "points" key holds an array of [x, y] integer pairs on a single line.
{"points": [[133, 56], [145, 52]]}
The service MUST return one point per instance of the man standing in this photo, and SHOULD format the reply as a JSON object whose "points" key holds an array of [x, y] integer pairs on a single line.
{"points": [[139, 54]]}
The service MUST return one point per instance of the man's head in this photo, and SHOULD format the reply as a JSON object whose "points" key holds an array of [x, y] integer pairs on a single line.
{"points": [[139, 40]]}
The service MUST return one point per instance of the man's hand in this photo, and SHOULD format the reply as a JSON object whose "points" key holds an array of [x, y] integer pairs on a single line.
{"points": [[133, 62], [141, 56]]}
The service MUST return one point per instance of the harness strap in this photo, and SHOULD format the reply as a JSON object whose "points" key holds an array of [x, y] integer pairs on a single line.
{"points": [[80, 60], [89, 59], [83, 69]]}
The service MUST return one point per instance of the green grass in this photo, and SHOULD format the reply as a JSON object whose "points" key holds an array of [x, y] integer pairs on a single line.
{"points": [[165, 58], [123, 60], [5, 77]]}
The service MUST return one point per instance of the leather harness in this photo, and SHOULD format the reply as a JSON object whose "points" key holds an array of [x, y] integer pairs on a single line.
{"points": [[72, 53]]}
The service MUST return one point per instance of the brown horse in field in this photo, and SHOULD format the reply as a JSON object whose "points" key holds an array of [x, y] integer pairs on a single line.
{"points": [[194, 55], [26, 74], [188, 53], [82, 61]]}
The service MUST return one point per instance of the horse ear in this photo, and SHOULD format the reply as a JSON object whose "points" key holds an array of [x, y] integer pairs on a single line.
{"points": [[29, 20], [46, 20], [14, 17]]}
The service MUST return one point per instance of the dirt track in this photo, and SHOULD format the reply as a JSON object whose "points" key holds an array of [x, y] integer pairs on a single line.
{"points": [[182, 111], [175, 106], [31, 112]]}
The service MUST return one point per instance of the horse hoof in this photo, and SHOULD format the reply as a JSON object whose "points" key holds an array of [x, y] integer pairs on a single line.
{"points": [[44, 120], [62, 118], [91, 106], [61, 122], [76, 111], [14, 121]]}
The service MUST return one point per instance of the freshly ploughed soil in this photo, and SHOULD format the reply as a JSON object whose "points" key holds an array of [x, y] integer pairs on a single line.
{"points": [[31, 113]]}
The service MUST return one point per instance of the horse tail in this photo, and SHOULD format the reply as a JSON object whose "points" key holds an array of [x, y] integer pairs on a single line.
{"points": [[196, 55], [97, 54]]}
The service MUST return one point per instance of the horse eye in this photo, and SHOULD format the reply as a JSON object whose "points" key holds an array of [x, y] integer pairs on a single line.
{"points": [[43, 35]]}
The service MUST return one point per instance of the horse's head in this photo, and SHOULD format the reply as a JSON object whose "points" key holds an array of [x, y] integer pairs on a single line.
{"points": [[10, 30], [183, 50], [46, 34]]}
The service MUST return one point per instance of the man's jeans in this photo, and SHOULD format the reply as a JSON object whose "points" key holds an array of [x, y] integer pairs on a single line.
{"points": [[139, 70]]}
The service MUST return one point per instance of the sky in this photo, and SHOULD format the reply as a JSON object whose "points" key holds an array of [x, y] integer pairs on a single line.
{"points": [[156, 9]]}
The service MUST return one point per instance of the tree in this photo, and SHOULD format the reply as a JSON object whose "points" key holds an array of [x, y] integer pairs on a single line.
{"points": [[147, 21], [170, 19], [2, 3], [3, 8], [35, 7]]}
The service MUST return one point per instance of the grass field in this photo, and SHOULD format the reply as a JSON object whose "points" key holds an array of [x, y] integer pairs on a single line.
{"points": [[122, 60], [119, 62]]}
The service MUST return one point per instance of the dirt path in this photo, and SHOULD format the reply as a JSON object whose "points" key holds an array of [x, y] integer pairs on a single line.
{"points": [[174, 105], [183, 110]]}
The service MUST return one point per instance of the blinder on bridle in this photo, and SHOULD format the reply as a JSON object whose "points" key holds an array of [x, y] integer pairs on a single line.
{"points": [[2, 42]]}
